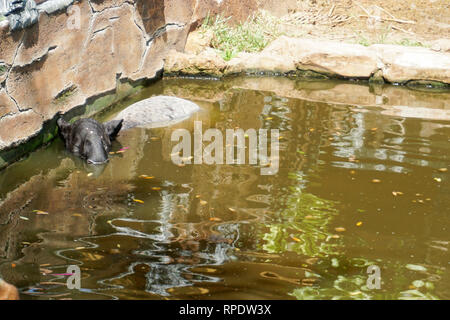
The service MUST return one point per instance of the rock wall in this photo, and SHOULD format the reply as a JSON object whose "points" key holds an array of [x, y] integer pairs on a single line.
{"points": [[80, 52]]}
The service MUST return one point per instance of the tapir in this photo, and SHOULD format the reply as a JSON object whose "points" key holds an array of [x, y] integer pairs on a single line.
{"points": [[91, 140], [88, 138]]}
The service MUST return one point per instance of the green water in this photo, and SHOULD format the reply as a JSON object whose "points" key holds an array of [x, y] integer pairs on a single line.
{"points": [[357, 185]]}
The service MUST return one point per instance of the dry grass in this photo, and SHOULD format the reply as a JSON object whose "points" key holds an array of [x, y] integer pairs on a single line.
{"points": [[251, 36], [365, 22]]}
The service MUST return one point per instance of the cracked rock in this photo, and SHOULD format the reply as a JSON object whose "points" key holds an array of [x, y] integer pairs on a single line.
{"points": [[29, 123], [7, 106]]}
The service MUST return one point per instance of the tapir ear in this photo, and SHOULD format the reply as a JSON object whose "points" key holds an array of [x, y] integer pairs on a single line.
{"points": [[112, 128], [64, 127]]}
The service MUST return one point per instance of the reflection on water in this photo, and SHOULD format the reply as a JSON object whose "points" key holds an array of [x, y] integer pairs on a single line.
{"points": [[357, 186]]}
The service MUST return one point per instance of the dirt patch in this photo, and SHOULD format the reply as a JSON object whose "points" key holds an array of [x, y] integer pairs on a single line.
{"points": [[409, 22]]}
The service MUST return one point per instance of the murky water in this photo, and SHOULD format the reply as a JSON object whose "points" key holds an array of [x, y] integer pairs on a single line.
{"points": [[357, 185]]}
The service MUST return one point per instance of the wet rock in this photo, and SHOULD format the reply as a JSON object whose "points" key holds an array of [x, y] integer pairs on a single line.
{"points": [[377, 77], [8, 291], [328, 57], [254, 63], [208, 63], [156, 111]]}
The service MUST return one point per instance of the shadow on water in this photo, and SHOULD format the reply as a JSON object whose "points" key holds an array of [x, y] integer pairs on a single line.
{"points": [[363, 180]]}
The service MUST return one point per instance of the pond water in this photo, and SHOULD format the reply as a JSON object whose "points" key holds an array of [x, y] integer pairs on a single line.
{"points": [[362, 181]]}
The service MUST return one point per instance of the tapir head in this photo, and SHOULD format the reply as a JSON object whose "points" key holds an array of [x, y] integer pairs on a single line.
{"points": [[88, 138]]}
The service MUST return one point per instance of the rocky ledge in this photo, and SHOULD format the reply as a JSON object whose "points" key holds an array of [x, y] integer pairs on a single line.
{"points": [[312, 58]]}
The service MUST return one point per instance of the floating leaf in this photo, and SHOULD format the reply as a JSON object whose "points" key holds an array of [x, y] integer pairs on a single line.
{"points": [[215, 219], [24, 218], [203, 202], [340, 229], [156, 188], [429, 285], [418, 283], [443, 169], [376, 180], [45, 271], [203, 290], [138, 201], [144, 176], [89, 174], [359, 224], [334, 262], [438, 179], [416, 267], [40, 212]]}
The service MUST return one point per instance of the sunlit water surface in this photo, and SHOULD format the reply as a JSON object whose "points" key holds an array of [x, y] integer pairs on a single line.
{"points": [[356, 186]]}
